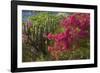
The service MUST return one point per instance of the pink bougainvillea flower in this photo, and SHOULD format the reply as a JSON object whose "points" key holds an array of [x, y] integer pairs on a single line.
{"points": [[83, 34], [50, 48], [77, 26], [50, 36]]}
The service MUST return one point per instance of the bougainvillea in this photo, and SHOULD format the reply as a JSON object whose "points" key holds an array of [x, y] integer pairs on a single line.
{"points": [[50, 36], [76, 27]]}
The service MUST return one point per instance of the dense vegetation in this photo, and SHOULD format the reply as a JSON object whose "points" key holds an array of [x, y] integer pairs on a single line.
{"points": [[48, 36]]}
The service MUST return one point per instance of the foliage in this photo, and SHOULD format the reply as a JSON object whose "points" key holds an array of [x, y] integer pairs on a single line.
{"points": [[48, 36], [35, 31], [76, 28]]}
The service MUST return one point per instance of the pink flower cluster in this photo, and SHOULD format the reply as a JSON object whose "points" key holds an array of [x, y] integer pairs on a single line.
{"points": [[61, 41], [76, 26], [81, 20]]}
